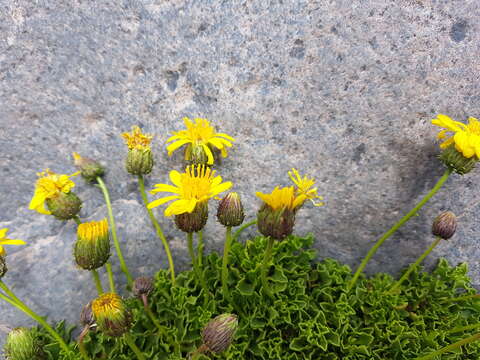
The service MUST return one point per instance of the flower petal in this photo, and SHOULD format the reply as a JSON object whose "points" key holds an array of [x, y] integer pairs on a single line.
{"points": [[209, 154], [12, 242], [175, 145], [165, 188], [161, 201], [3, 233], [175, 178]]}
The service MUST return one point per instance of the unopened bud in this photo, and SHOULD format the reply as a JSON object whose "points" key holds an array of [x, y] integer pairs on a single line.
{"points": [[455, 160], [111, 315], [194, 221], [64, 206], [277, 224], [23, 344], [445, 225], [218, 334], [86, 316], [230, 210], [196, 155], [89, 168], [92, 248], [139, 161], [3, 267], [142, 287]]}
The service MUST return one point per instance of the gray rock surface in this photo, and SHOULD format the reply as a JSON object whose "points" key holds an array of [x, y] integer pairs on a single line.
{"points": [[342, 90]]}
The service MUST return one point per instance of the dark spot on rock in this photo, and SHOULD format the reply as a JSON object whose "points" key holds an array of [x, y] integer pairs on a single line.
{"points": [[334, 30], [139, 70], [358, 152], [172, 79], [277, 82], [293, 130], [297, 52], [363, 67], [202, 27], [373, 42], [340, 58], [299, 42], [458, 32], [205, 100]]}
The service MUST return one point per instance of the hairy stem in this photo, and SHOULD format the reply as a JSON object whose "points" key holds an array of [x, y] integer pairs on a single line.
{"points": [[135, 349], [243, 227], [266, 265], [111, 281], [226, 250], [96, 280]]}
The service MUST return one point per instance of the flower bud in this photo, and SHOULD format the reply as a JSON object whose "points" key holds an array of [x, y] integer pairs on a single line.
{"points": [[277, 224], [23, 344], [445, 225], [64, 206], [194, 221], [139, 161], [196, 155], [142, 287], [3, 267], [92, 248], [89, 168], [455, 160], [230, 210], [218, 334], [86, 316], [111, 315]]}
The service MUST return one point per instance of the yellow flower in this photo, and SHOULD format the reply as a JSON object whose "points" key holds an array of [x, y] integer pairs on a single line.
{"points": [[5, 241], [48, 186], [283, 198], [305, 187], [107, 305], [93, 230], [196, 185], [199, 133], [466, 137], [136, 139]]}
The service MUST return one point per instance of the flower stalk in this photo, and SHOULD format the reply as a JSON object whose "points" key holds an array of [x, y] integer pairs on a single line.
{"points": [[266, 265], [395, 227], [450, 347], [135, 349], [196, 269], [226, 250], [96, 280]]}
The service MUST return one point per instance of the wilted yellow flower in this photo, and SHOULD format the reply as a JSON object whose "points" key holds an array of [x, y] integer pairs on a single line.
{"points": [[283, 198], [305, 187], [49, 186], [5, 241], [136, 139], [111, 314], [466, 137], [196, 185], [199, 134]]}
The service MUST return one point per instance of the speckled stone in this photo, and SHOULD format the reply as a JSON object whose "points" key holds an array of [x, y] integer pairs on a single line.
{"points": [[342, 90]]}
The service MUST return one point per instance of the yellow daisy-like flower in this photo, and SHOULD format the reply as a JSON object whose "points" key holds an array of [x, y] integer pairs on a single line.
{"points": [[48, 186], [93, 230], [136, 139], [305, 187], [196, 185], [283, 198], [466, 137], [199, 133], [5, 241]]}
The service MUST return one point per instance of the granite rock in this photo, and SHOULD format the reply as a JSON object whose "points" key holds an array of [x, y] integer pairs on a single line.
{"points": [[341, 90]]}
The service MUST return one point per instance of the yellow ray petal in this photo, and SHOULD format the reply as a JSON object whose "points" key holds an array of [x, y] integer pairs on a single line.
{"points": [[161, 201]]}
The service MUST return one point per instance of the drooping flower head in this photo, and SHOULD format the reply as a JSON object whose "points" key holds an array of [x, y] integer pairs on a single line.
{"points": [[195, 186], [305, 187], [136, 139], [462, 149], [199, 137], [50, 186], [92, 248], [283, 198], [89, 168], [111, 314], [5, 241], [139, 159]]}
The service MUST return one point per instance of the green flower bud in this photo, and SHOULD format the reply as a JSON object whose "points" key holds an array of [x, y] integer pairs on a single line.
{"points": [[142, 287], [111, 314], [455, 160], [64, 206], [92, 248], [218, 334], [445, 225], [277, 224], [194, 221], [3, 266], [89, 169], [196, 155], [23, 344], [139, 161], [230, 210]]}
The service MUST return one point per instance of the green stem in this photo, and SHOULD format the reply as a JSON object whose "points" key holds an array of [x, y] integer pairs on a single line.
{"points": [[157, 227], [111, 281], [135, 349], [113, 228], [83, 352], [200, 247], [155, 321], [196, 270], [395, 227], [226, 250], [463, 328], [450, 347], [16, 302], [77, 219], [266, 264], [461, 298], [243, 227], [414, 265], [98, 283]]}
